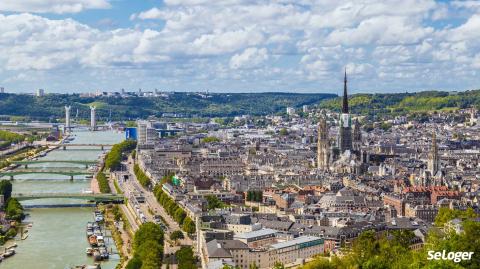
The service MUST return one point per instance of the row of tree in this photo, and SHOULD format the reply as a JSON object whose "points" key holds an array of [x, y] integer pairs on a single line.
{"points": [[147, 247], [141, 176], [114, 158], [103, 182], [174, 210], [11, 136], [14, 210]]}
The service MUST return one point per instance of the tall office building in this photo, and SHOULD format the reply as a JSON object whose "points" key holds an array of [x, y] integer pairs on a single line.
{"points": [[67, 118], [2, 90], [146, 133], [93, 120], [40, 92]]}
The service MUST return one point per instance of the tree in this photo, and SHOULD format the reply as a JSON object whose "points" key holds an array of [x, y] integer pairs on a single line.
{"points": [[14, 209], [148, 231], [258, 195], [148, 247], [150, 253], [446, 214], [188, 225], [210, 139], [185, 258], [283, 132], [6, 189], [134, 263], [214, 202], [176, 235], [179, 215], [249, 196]]}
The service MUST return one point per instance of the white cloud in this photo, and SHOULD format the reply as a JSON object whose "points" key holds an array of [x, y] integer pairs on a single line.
{"points": [[153, 13], [249, 58], [281, 43], [52, 6]]}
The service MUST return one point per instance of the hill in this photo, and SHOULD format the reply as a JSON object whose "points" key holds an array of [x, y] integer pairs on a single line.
{"points": [[51, 106], [404, 103]]}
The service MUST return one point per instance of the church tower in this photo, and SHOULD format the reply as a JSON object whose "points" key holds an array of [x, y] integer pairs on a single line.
{"points": [[323, 144], [345, 131], [433, 158], [357, 136]]}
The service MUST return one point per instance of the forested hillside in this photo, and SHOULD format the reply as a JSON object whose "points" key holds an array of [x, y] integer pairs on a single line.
{"points": [[188, 104]]}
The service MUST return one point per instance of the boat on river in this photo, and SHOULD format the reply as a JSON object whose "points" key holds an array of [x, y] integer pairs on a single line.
{"points": [[104, 253], [8, 253], [92, 240], [95, 266], [100, 241], [96, 255]]}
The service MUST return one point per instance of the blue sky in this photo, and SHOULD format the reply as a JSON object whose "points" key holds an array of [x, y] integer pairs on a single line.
{"points": [[239, 45]]}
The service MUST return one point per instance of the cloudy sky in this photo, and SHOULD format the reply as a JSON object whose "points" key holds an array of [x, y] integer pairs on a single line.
{"points": [[239, 45]]}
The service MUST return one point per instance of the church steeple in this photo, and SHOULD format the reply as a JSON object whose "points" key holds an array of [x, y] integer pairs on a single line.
{"points": [[345, 95], [345, 132]]}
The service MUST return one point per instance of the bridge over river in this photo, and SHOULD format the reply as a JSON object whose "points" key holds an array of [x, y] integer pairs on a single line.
{"points": [[95, 197], [79, 146], [58, 171], [28, 162]]}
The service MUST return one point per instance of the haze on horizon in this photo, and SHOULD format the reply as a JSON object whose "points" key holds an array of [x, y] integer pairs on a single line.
{"points": [[239, 45]]}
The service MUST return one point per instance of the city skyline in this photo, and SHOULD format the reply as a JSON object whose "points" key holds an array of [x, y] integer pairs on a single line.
{"points": [[239, 46]]}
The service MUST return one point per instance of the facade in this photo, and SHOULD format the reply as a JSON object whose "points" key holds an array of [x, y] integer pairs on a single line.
{"points": [[146, 134], [357, 136], [240, 254]]}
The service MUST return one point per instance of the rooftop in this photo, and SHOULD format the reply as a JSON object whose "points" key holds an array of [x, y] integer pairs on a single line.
{"points": [[296, 241], [257, 233]]}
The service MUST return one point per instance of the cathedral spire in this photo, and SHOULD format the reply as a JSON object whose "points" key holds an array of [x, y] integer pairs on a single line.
{"points": [[345, 96]]}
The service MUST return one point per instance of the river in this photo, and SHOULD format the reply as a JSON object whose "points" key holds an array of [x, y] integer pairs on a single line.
{"points": [[57, 238]]}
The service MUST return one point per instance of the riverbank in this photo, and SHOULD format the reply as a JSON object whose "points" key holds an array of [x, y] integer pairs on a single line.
{"points": [[57, 238]]}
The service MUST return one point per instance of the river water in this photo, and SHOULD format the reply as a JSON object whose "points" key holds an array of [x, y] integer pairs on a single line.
{"points": [[57, 238]]}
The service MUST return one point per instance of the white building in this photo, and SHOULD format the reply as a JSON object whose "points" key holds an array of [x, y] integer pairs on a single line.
{"points": [[40, 92], [146, 134], [290, 111], [290, 253], [305, 109]]}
